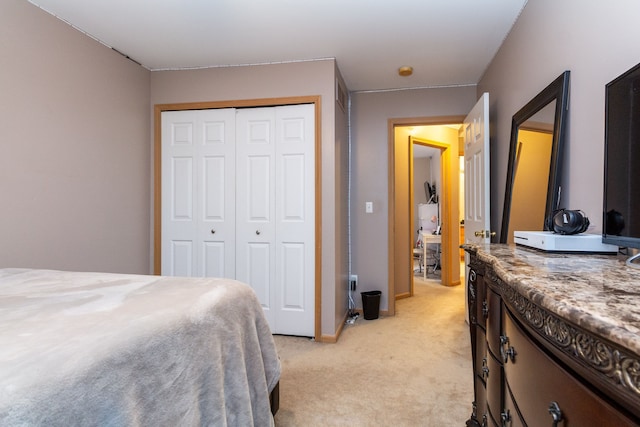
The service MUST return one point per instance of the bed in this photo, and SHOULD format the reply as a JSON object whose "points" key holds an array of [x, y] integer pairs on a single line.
{"points": [[96, 349]]}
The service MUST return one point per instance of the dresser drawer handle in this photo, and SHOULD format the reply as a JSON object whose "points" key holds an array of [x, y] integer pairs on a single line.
{"points": [[556, 413], [505, 351], [485, 369], [506, 418], [485, 309]]}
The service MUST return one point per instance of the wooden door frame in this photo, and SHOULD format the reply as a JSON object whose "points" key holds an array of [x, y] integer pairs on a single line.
{"points": [[246, 103], [447, 245]]}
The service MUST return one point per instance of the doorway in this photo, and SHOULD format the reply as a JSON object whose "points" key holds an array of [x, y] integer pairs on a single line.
{"points": [[400, 227], [425, 204]]}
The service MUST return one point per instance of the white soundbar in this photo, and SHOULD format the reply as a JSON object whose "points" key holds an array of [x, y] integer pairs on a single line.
{"points": [[549, 241]]}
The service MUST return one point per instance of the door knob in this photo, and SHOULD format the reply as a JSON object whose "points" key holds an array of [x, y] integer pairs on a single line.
{"points": [[484, 233]]}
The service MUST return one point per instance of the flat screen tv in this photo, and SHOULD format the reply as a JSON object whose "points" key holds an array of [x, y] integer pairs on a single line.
{"points": [[621, 213]]}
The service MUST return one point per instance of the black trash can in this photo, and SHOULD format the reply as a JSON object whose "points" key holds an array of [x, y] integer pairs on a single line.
{"points": [[371, 304]]}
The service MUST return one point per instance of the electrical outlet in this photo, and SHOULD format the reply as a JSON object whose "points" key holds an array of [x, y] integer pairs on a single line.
{"points": [[353, 282]]}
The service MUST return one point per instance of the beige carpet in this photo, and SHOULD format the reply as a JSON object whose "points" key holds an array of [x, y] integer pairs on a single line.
{"points": [[413, 369]]}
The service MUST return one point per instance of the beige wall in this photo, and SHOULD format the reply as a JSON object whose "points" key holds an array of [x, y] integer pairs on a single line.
{"points": [[370, 112], [277, 81], [74, 149], [596, 41], [341, 212]]}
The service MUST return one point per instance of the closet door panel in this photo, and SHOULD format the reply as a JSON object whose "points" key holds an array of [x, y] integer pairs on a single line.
{"points": [[255, 193], [178, 204], [214, 214], [259, 263], [214, 259], [293, 269], [258, 188], [181, 187], [198, 201], [293, 194], [181, 258], [295, 219], [216, 201]]}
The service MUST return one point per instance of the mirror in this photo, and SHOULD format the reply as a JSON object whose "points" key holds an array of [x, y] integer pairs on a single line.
{"points": [[535, 161]]}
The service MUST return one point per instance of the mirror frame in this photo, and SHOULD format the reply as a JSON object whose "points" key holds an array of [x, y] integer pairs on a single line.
{"points": [[557, 91]]}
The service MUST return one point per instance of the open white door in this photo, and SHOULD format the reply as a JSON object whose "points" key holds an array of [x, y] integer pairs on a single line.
{"points": [[477, 220], [477, 212]]}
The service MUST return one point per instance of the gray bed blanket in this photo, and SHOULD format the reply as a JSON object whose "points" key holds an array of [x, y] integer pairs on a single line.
{"points": [[90, 349]]}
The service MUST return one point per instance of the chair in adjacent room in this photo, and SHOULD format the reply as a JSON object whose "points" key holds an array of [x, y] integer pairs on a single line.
{"points": [[418, 256]]}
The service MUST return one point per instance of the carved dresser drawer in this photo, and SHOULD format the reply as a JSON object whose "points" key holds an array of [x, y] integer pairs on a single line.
{"points": [[494, 322], [544, 392]]}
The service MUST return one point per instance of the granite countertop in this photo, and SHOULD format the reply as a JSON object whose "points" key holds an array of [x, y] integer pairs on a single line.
{"points": [[596, 292]]}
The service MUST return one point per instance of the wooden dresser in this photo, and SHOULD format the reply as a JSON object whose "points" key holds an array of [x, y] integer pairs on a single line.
{"points": [[555, 338]]}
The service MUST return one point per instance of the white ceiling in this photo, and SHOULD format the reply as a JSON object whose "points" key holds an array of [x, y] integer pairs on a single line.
{"points": [[447, 42], [420, 151]]}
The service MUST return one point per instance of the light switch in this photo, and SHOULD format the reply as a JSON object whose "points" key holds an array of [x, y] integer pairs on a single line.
{"points": [[368, 207]]}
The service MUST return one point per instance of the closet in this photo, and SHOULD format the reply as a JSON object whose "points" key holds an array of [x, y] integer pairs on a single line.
{"points": [[238, 201]]}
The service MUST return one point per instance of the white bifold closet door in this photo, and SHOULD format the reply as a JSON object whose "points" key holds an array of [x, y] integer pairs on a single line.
{"points": [[198, 200], [246, 208]]}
